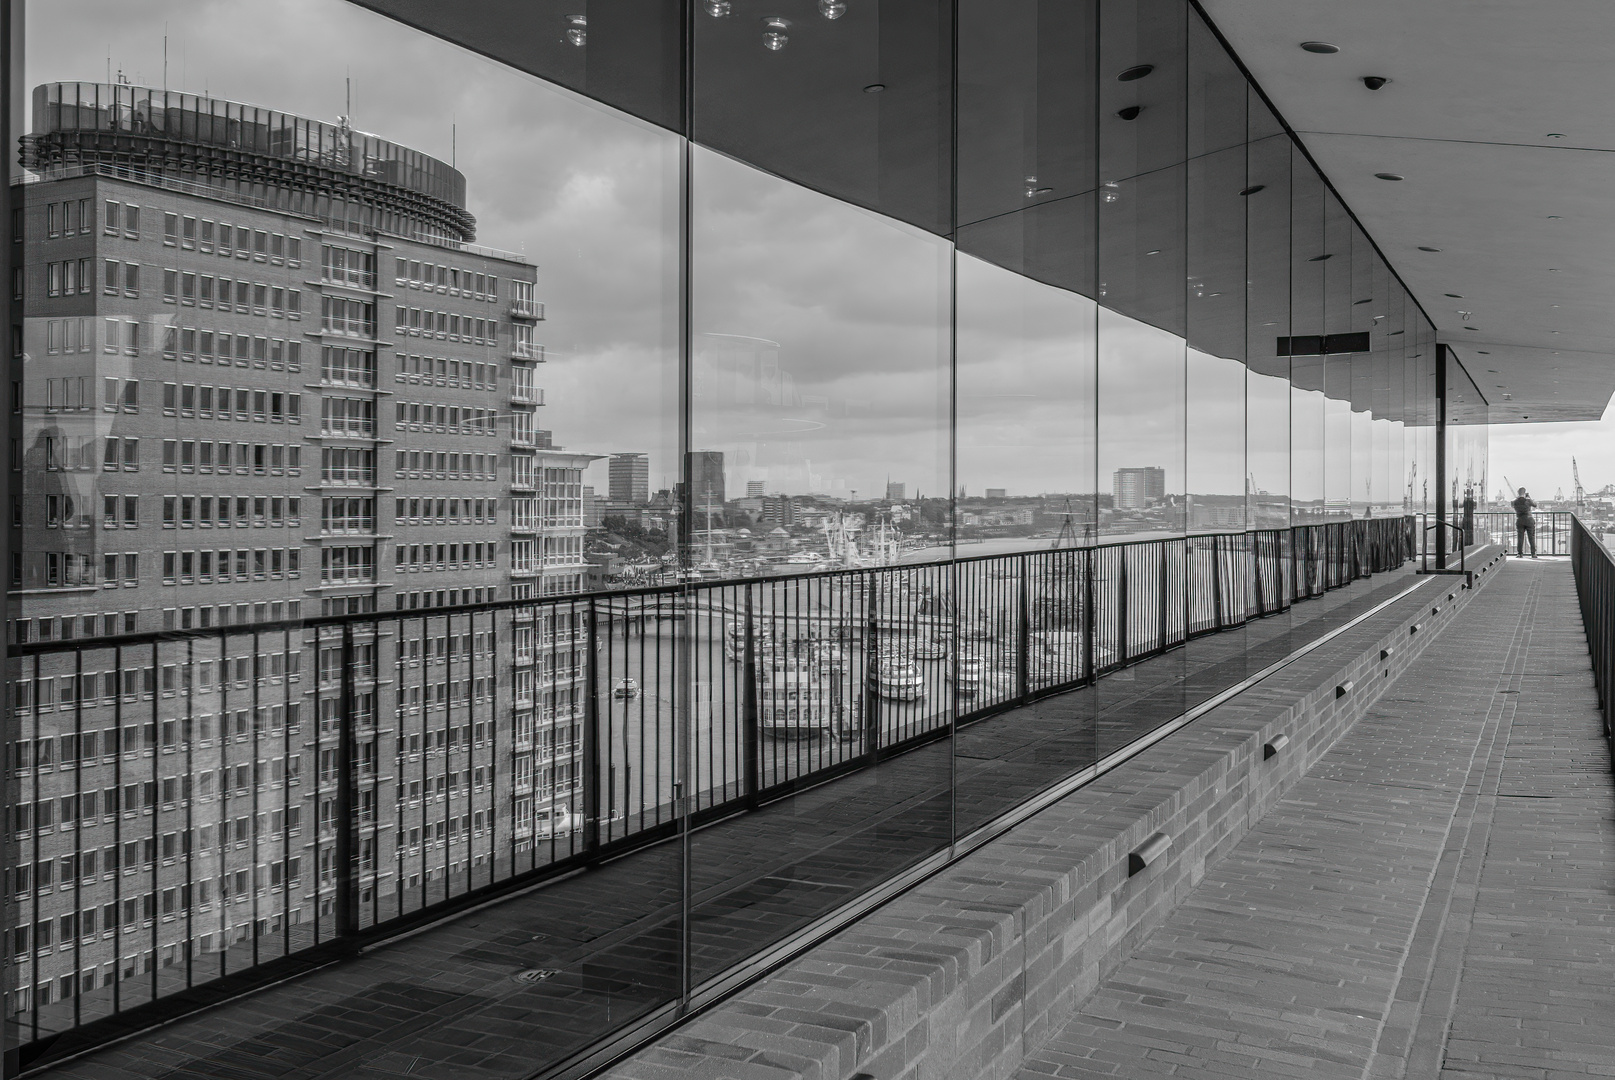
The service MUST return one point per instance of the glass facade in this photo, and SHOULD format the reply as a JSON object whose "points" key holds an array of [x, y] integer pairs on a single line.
{"points": [[691, 413]]}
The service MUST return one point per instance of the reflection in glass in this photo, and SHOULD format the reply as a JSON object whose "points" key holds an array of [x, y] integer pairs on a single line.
{"points": [[1141, 428], [820, 389], [1025, 414], [1026, 104]]}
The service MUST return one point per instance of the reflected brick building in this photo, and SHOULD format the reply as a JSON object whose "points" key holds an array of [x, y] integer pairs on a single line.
{"points": [[264, 375]]}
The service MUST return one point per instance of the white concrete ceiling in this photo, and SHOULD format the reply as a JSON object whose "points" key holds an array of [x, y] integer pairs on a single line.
{"points": [[1499, 116]]}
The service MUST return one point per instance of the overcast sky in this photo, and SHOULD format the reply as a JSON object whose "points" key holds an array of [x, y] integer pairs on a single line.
{"points": [[844, 309], [1537, 456]]}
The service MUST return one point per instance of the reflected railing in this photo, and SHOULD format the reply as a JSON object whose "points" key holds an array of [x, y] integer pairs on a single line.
{"points": [[203, 811]]}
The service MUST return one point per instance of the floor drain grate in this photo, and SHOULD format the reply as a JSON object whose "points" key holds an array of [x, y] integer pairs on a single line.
{"points": [[533, 975]]}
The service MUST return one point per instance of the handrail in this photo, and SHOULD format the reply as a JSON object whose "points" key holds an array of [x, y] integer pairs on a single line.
{"points": [[1461, 545]]}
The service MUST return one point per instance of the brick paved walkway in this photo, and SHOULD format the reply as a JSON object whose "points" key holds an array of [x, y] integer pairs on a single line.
{"points": [[1433, 900], [445, 1003]]}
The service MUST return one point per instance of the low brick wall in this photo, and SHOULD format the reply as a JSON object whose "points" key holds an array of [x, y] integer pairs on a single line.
{"points": [[974, 968]]}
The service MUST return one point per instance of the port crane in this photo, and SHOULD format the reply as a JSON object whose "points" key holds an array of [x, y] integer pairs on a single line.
{"points": [[1581, 493]]}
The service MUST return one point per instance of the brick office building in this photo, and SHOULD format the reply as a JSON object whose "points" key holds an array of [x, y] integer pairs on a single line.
{"points": [[262, 375]]}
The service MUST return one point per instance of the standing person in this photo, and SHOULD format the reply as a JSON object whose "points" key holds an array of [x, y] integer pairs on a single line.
{"points": [[1524, 523], [1469, 515]]}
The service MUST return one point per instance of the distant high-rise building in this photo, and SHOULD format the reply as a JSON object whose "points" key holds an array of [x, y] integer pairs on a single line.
{"points": [[896, 492], [706, 479], [754, 488], [628, 478], [779, 510], [996, 493], [1135, 489]]}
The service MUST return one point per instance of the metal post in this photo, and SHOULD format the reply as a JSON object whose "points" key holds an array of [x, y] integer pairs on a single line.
{"points": [[1160, 599], [1088, 620], [871, 652], [749, 721], [346, 894], [1023, 634], [1216, 582], [591, 733], [1121, 606]]}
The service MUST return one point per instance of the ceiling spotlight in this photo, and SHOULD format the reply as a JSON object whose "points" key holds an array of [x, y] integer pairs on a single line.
{"points": [[1155, 251], [1253, 189], [775, 32], [1354, 303], [1389, 176], [1130, 113], [1553, 269], [1323, 48], [1423, 248], [719, 8], [832, 9], [1455, 296], [874, 88], [1320, 258], [1374, 82], [1136, 72], [577, 29], [1483, 352], [1553, 217], [1471, 328], [1556, 135]]}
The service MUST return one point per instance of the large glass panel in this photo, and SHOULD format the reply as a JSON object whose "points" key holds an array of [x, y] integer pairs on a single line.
{"points": [[821, 381], [1143, 72], [1267, 385], [301, 560], [1307, 423], [1214, 437], [1026, 107], [1467, 458], [851, 99], [1025, 476]]}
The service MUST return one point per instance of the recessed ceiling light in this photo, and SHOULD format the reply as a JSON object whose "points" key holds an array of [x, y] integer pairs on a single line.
{"points": [[1323, 48], [1137, 71], [1556, 135], [1471, 328], [874, 88], [1553, 270], [1354, 303], [1320, 258], [1455, 295], [1423, 248], [1155, 251], [1130, 113], [1396, 332], [1553, 331], [1553, 217], [1389, 176], [1253, 189]]}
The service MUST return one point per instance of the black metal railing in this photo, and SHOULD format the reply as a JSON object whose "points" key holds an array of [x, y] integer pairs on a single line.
{"points": [[1594, 570], [201, 810], [1553, 531]]}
